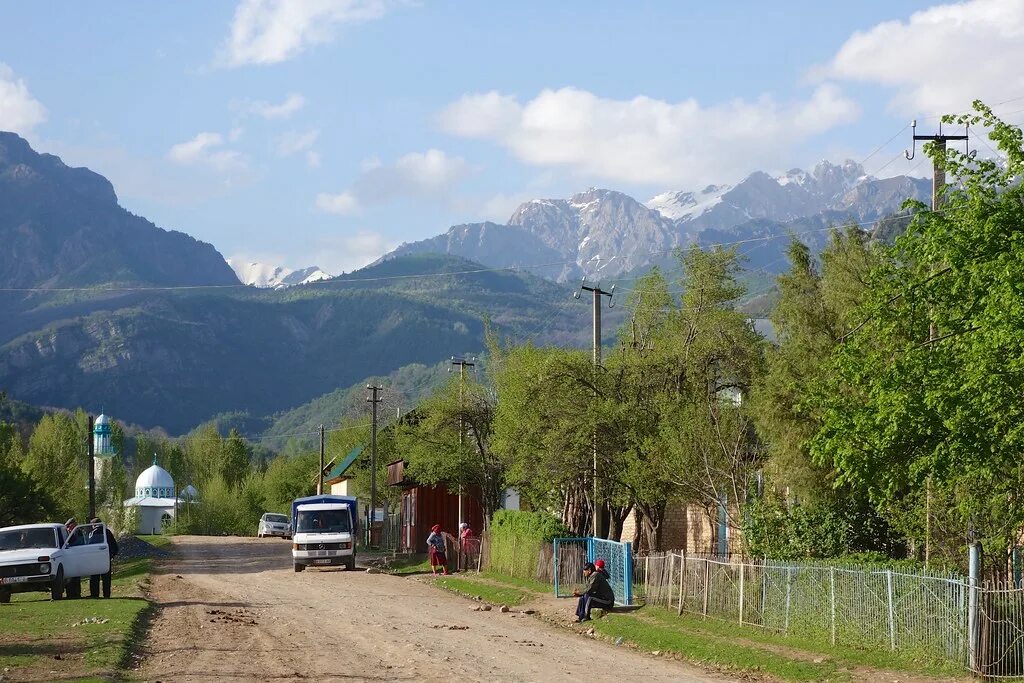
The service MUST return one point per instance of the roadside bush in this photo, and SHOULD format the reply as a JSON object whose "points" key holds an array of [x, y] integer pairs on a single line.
{"points": [[518, 542]]}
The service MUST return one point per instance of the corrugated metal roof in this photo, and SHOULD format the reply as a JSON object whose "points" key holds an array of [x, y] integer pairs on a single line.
{"points": [[340, 468]]}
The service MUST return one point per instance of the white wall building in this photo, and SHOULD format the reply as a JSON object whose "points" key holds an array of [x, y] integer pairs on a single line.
{"points": [[156, 500]]}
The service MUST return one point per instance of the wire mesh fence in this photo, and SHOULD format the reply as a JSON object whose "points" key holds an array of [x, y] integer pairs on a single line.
{"points": [[908, 611]]}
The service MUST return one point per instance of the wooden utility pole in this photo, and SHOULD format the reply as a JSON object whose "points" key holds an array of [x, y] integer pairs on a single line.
{"points": [[938, 187], [373, 400], [598, 293], [91, 450], [462, 363], [320, 477]]}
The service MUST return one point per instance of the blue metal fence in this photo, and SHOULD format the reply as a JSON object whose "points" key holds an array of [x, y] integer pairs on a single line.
{"points": [[570, 554]]}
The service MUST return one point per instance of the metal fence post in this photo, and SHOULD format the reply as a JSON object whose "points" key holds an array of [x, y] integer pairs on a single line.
{"points": [[671, 575], [789, 595], [892, 608], [627, 571], [682, 573], [741, 591], [647, 575], [972, 606], [554, 550], [832, 582], [707, 582]]}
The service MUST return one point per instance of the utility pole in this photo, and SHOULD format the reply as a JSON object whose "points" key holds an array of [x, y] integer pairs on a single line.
{"points": [[938, 185], [320, 477], [598, 293], [90, 449], [462, 363], [373, 399]]}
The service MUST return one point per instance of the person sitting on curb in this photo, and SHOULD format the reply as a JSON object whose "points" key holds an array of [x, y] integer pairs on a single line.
{"points": [[598, 593]]}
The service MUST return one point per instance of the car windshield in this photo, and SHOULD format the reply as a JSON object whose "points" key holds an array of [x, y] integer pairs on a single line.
{"points": [[276, 519], [20, 539], [324, 522]]}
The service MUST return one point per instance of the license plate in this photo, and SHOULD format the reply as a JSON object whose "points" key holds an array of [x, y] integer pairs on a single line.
{"points": [[321, 561], [14, 579]]}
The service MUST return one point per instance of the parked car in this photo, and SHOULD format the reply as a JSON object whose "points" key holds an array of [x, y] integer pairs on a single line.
{"points": [[46, 558], [273, 524]]}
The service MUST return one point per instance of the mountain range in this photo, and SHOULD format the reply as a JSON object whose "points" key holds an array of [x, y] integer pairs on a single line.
{"points": [[604, 233], [62, 227], [88, 321]]}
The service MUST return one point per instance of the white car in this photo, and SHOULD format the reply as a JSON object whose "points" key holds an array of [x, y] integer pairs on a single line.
{"points": [[44, 557], [273, 524]]}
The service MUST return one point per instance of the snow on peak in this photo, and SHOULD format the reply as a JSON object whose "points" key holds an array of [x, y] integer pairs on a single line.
{"points": [[266, 275], [679, 205]]}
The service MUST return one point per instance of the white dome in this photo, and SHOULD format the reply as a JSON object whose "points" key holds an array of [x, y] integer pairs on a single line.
{"points": [[155, 482], [189, 492], [102, 420]]}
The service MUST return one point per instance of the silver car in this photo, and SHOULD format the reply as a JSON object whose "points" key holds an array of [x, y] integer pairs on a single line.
{"points": [[273, 524]]}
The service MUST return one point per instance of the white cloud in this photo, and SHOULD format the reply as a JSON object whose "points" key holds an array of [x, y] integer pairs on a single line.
{"points": [[272, 31], [430, 175], [345, 253], [644, 140], [293, 142], [500, 206], [313, 159], [20, 112], [205, 149], [291, 104], [940, 59], [343, 203]]}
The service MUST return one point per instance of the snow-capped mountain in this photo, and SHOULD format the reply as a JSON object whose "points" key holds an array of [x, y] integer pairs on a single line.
{"points": [[267, 275], [604, 233]]}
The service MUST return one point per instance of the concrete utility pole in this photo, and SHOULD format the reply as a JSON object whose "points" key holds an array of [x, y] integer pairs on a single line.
{"points": [[90, 449], [938, 185], [373, 400], [320, 477], [462, 363], [598, 293]]}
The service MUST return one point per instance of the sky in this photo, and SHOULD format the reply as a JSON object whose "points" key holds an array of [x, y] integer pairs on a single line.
{"points": [[326, 132]]}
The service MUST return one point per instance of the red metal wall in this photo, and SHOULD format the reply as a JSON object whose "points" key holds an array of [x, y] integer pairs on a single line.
{"points": [[425, 506]]}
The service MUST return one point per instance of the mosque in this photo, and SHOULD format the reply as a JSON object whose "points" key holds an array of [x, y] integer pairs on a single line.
{"points": [[155, 494]]}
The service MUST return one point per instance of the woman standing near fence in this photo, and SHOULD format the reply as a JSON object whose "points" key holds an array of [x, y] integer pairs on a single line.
{"points": [[435, 548]]}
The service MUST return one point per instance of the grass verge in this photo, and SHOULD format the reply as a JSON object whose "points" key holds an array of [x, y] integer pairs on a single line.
{"points": [[495, 595], [41, 639], [413, 564]]}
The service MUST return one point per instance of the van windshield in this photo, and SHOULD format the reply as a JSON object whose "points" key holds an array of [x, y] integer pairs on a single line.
{"points": [[277, 519], [323, 522]]}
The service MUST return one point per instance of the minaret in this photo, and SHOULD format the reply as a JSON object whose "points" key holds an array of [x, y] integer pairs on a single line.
{"points": [[103, 446]]}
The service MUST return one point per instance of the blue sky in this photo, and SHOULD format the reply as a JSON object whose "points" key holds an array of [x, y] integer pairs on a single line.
{"points": [[326, 131]]}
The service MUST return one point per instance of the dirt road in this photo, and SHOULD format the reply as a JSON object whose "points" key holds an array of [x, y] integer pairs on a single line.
{"points": [[233, 609]]}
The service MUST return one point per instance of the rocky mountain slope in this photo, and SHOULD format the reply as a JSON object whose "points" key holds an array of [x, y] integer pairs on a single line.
{"points": [[62, 227], [603, 233], [177, 358]]}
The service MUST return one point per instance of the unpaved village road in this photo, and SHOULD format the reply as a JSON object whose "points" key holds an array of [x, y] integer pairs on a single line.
{"points": [[233, 609]]}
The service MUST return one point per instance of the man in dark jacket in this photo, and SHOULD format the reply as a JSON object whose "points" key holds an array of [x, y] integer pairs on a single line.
{"points": [[94, 581], [598, 593]]}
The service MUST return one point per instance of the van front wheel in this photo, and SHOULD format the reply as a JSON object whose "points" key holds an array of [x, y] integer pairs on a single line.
{"points": [[299, 567]]}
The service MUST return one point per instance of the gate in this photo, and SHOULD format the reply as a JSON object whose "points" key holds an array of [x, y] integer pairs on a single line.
{"points": [[570, 554]]}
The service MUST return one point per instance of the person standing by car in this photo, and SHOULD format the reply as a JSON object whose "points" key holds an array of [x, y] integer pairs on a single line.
{"points": [[98, 537]]}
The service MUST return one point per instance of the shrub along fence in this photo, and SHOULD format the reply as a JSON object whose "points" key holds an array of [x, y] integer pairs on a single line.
{"points": [[518, 544]]}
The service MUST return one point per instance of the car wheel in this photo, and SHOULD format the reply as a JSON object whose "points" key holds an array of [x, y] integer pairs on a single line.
{"points": [[299, 567], [73, 590], [57, 586], [5, 597], [350, 565]]}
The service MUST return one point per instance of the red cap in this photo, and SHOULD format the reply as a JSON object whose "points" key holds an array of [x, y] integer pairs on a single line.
{"points": [[599, 564]]}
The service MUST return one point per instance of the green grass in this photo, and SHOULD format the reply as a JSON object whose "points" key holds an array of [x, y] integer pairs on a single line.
{"points": [[34, 629], [156, 540], [719, 653], [531, 585], [842, 654], [495, 595], [413, 564]]}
